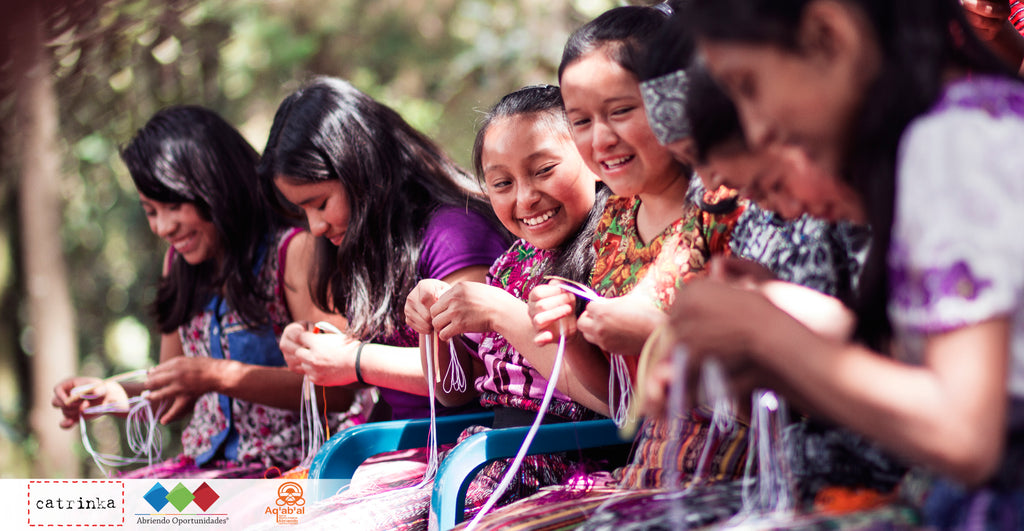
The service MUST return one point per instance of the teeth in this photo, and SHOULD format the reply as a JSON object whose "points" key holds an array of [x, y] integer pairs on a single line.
{"points": [[539, 219], [615, 162]]}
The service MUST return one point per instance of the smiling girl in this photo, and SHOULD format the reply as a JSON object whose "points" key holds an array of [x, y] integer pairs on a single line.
{"points": [[234, 276], [387, 208], [543, 193]]}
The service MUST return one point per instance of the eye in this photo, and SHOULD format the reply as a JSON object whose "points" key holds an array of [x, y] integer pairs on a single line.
{"points": [[745, 87], [322, 206], [546, 169], [623, 110], [499, 185], [580, 122], [174, 207]]}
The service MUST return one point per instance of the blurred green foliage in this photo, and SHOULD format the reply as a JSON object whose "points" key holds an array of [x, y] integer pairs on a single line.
{"points": [[115, 62]]}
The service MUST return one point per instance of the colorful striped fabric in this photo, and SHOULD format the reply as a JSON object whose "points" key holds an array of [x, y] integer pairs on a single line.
{"points": [[1017, 16]]}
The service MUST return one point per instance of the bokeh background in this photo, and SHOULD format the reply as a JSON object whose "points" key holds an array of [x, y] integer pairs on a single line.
{"points": [[78, 265]]}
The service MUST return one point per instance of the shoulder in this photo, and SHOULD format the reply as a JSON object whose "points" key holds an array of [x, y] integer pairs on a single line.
{"points": [[965, 149], [953, 257], [456, 238], [294, 250]]}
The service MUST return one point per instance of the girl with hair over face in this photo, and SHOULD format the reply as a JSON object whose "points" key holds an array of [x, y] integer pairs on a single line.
{"points": [[543, 193], [918, 120], [234, 276], [387, 208]]}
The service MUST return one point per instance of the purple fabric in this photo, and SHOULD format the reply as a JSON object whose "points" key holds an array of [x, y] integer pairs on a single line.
{"points": [[454, 239]]}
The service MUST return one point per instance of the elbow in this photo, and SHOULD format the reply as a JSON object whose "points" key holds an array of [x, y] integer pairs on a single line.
{"points": [[973, 461]]}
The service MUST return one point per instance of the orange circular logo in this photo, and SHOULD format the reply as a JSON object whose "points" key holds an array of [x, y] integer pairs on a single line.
{"points": [[290, 493]]}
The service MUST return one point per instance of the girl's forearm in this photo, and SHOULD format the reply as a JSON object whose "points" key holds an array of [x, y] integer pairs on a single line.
{"points": [[398, 368], [271, 386], [947, 414]]}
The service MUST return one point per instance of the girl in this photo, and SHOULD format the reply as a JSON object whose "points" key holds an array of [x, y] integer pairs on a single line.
{"points": [[543, 193], [649, 239], [234, 276], [388, 209], [914, 114]]}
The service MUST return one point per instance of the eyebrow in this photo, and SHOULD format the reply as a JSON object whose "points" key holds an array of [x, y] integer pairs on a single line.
{"points": [[540, 153], [606, 101], [308, 200]]}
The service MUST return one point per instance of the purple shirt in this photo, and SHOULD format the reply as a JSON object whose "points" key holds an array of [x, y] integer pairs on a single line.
{"points": [[454, 239]]}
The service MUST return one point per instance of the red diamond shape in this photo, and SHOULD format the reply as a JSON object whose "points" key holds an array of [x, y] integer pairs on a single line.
{"points": [[205, 496]]}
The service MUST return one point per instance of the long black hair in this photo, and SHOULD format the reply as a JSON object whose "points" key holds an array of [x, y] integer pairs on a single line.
{"points": [[189, 154], [575, 258], [395, 179], [919, 40]]}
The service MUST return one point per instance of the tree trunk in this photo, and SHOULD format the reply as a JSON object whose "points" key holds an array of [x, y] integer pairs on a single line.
{"points": [[50, 314]]}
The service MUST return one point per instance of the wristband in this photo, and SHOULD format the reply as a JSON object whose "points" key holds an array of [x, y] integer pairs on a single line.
{"points": [[359, 353]]}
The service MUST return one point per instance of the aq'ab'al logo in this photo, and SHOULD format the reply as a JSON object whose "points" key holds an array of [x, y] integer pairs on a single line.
{"points": [[289, 504], [290, 494]]}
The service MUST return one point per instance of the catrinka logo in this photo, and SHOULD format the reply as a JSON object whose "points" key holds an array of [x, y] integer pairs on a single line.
{"points": [[79, 504]]}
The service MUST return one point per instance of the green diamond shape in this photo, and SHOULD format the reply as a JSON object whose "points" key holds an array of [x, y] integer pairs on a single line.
{"points": [[180, 497]]}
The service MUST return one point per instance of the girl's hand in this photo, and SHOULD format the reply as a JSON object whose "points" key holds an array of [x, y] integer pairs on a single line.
{"points": [[328, 359], [717, 319], [548, 305], [71, 407], [620, 325], [739, 271], [418, 313], [181, 381], [467, 307]]}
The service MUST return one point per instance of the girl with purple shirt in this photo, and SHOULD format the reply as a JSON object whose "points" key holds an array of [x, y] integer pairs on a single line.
{"points": [[388, 208]]}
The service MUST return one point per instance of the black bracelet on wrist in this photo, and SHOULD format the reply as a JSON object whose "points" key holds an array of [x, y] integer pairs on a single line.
{"points": [[359, 373]]}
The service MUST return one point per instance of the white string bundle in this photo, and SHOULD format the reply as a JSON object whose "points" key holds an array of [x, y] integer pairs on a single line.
{"points": [[510, 473], [723, 421], [141, 430], [767, 498], [313, 432], [432, 458], [455, 377], [620, 386]]}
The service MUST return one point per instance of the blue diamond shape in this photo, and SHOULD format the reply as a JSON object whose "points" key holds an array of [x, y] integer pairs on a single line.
{"points": [[157, 497]]}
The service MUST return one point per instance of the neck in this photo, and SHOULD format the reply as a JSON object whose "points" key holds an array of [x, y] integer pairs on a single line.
{"points": [[660, 208]]}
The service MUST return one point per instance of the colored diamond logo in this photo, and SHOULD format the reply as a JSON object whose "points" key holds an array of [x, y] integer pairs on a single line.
{"points": [[205, 496], [180, 497], [157, 497]]}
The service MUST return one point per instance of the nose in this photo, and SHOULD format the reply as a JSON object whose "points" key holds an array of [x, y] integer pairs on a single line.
{"points": [[317, 226], [165, 224], [604, 137], [757, 128], [526, 194]]}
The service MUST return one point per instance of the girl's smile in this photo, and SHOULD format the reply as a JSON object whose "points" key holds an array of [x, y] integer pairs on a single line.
{"points": [[538, 185], [608, 123], [182, 226]]}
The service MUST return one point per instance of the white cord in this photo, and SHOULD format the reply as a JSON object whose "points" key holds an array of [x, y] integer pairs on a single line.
{"points": [[141, 430], [514, 467]]}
